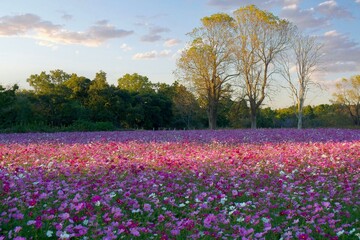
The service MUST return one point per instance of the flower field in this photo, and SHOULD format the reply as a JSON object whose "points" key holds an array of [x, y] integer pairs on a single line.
{"points": [[228, 184]]}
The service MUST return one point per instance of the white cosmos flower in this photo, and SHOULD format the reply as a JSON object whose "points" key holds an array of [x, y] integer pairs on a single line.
{"points": [[240, 219], [64, 235], [49, 233]]}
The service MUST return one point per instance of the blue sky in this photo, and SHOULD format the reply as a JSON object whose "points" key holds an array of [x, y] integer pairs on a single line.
{"points": [[146, 36]]}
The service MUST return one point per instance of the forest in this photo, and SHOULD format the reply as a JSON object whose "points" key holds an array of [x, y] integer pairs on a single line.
{"points": [[59, 101]]}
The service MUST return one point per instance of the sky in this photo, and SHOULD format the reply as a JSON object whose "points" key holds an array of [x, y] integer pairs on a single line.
{"points": [[147, 36]]}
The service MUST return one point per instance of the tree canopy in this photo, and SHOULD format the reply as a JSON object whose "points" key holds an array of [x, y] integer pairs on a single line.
{"points": [[206, 64], [348, 96]]}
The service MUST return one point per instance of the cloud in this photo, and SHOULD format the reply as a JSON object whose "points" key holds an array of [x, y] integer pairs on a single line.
{"points": [[267, 5], [290, 7], [172, 42], [145, 55], [154, 34], [32, 26], [332, 33], [125, 47], [21, 24], [341, 53], [314, 18], [47, 44], [290, 10], [66, 17], [357, 1], [304, 19], [165, 53], [103, 31], [317, 17], [332, 9], [145, 20], [151, 55], [227, 4]]}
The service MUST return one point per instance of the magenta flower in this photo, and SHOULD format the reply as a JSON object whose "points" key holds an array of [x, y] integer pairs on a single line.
{"points": [[95, 198], [303, 236], [147, 207], [161, 218], [32, 203]]}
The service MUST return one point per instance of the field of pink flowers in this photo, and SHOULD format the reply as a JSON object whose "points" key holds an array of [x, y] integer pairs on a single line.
{"points": [[230, 184]]}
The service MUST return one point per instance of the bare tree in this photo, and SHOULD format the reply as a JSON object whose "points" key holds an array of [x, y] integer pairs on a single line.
{"points": [[348, 95], [206, 62], [298, 65], [259, 40]]}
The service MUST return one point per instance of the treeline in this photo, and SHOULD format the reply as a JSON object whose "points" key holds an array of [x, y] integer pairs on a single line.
{"points": [[67, 102]]}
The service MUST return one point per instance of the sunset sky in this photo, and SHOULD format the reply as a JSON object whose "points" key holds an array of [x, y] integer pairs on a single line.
{"points": [[146, 36]]}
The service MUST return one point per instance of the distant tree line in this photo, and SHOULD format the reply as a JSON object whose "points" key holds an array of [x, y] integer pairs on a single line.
{"points": [[59, 101]]}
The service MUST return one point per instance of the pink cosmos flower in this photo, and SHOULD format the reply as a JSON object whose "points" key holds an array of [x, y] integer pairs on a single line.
{"points": [[234, 193], [267, 226], [31, 222], [211, 218], [175, 232], [147, 207], [326, 204], [64, 216], [134, 232]]}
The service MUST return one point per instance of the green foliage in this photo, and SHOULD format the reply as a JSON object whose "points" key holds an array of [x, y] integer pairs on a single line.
{"points": [[28, 127], [238, 114], [135, 83], [7, 105], [77, 104], [83, 125], [79, 87], [348, 96], [99, 83], [266, 118], [44, 83]]}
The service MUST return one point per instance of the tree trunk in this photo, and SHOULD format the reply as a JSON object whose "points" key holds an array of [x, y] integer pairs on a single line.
{"points": [[300, 116], [300, 109], [253, 114], [253, 121], [212, 120], [212, 116]]}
